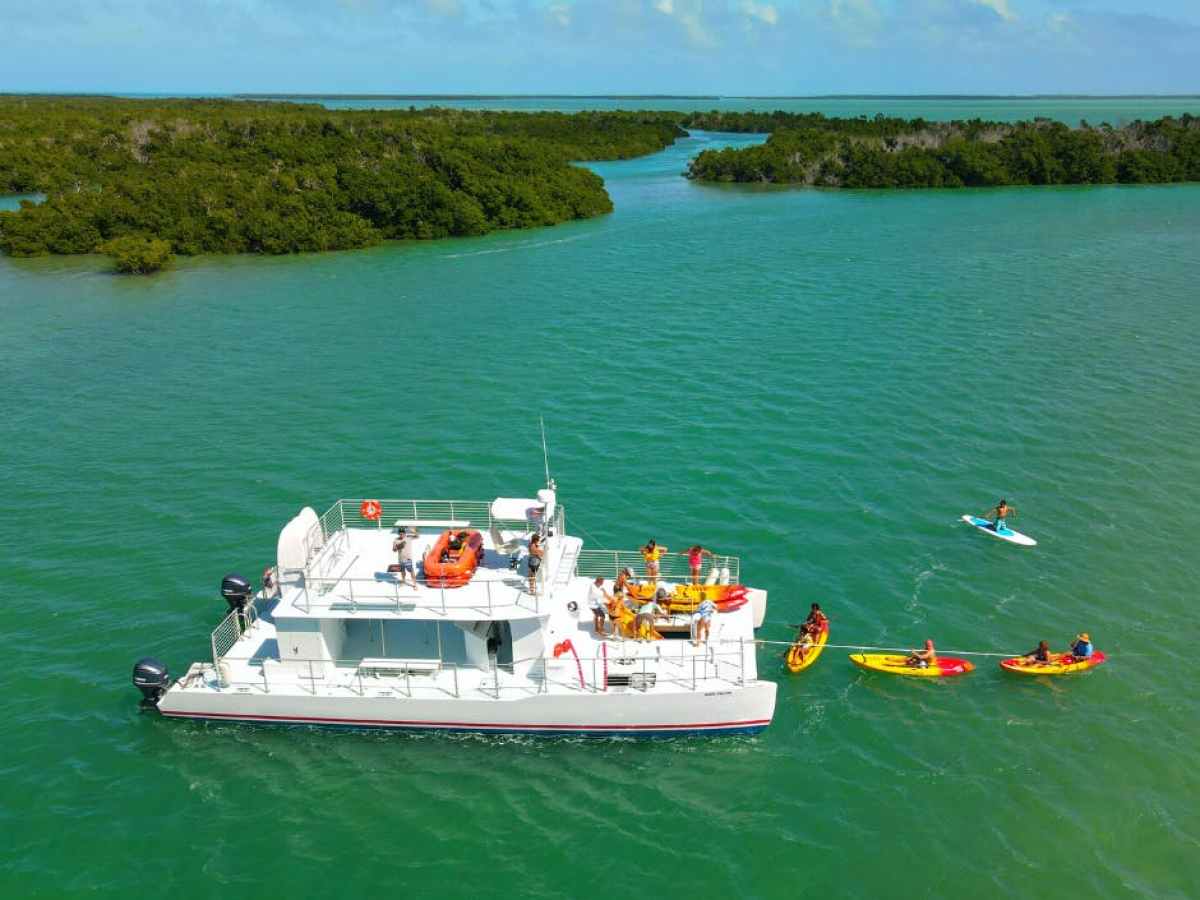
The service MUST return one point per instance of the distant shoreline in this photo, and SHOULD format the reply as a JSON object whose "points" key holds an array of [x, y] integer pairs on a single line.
{"points": [[319, 96]]}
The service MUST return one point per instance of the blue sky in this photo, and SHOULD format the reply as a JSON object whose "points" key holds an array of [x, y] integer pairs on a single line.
{"points": [[762, 47]]}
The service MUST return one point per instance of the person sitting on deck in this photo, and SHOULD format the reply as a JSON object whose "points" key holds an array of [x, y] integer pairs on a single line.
{"points": [[455, 544], [922, 659], [1039, 655], [702, 621], [597, 600], [651, 553], [623, 613], [1081, 648]]}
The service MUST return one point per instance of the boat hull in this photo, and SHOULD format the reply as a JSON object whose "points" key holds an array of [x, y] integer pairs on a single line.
{"points": [[742, 710]]}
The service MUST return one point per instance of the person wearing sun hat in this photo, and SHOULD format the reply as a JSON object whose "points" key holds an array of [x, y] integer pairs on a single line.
{"points": [[1082, 647]]}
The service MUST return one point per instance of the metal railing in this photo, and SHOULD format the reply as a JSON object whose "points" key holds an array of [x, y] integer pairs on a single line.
{"points": [[481, 593], [230, 630], [346, 513], [691, 671], [671, 566]]}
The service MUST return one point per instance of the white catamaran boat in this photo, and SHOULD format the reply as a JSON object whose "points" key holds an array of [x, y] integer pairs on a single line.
{"points": [[335, 638]]}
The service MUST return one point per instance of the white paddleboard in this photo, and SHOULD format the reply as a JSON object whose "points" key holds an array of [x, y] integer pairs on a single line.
{"points": [[1005, 533]]}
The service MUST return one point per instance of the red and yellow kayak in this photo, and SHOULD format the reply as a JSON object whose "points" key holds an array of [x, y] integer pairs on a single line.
{"points": [[796, 664], [1064, 664], [945, 666]]}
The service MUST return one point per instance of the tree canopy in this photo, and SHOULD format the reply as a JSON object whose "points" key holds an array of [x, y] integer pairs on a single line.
{"points": [[887, 152], [222, 176], [146, 179]]}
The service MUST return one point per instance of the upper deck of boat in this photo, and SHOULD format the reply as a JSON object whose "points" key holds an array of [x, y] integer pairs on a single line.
{"points": [[347, 558], [349, 578]]}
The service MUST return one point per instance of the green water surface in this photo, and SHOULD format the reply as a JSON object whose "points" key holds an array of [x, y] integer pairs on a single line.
{"points": [[821, 382]]}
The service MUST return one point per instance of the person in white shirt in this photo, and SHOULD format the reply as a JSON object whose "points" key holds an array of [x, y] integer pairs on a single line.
{"points": [[403, 547], [597, 598]]}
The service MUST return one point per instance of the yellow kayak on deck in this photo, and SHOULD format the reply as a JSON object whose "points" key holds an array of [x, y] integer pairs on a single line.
{"points": [[945, 666], [797, 664]]}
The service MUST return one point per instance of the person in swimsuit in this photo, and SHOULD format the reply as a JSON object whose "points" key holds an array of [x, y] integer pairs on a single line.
{"points": [[696, 555], [536, 552], [651, 553], [999, 513], [922, 659], [1040, 655], [817, 617], [805, 638]]}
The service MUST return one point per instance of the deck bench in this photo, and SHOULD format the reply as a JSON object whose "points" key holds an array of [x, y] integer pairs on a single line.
{"points": [[399, 666], [431, 523]]}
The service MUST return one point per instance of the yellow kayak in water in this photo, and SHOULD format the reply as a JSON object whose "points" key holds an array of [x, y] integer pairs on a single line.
{"points": [[945, 666], [1064, 664], [797, 663]]}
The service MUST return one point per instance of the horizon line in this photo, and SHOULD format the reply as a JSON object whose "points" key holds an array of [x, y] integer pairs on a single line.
{"points": [[315, 95]]}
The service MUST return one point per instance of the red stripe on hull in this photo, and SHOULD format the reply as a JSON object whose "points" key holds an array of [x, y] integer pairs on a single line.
{"points": [[408, 723]]}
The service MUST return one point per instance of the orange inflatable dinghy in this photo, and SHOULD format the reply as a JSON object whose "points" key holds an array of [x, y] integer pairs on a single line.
{"points": [[446, 567]]}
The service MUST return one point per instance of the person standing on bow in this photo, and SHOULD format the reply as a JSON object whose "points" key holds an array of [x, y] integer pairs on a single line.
{"points": [[696, 555], [652, 553]]}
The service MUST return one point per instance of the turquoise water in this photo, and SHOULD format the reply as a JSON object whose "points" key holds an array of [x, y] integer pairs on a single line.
{"points": [[1114, 110], [821, 382]]}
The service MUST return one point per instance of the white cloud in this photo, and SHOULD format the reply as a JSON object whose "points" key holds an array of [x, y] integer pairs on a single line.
{"points": [[1000, 8], [764, 12], [560, 14], [689, 15]]}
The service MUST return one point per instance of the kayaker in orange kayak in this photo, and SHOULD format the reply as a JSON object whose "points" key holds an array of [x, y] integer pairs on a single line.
{"points": [[922, 659], [1082, 647], [1039, 655]]}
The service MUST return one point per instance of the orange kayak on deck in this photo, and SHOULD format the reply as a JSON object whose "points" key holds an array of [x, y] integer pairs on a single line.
{"points": [[797, 663]]}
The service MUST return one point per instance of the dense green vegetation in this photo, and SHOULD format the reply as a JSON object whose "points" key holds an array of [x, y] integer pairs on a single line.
{"points": [[887, 152], [145, 179], [208, 176], [138, 255]]}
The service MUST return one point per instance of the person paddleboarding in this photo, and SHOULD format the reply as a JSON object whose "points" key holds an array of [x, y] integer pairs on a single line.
{"points": [[999, 514]]}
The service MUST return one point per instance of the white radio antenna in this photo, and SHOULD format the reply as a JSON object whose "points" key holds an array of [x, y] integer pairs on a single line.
{"points": [[545, 453]]}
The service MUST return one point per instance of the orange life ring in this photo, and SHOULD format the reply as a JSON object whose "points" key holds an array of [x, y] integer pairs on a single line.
{"points": [[370, 510]]}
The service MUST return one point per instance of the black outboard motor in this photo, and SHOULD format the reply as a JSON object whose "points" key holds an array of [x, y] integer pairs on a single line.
{"points": [[237, 591], [150, 676]]}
